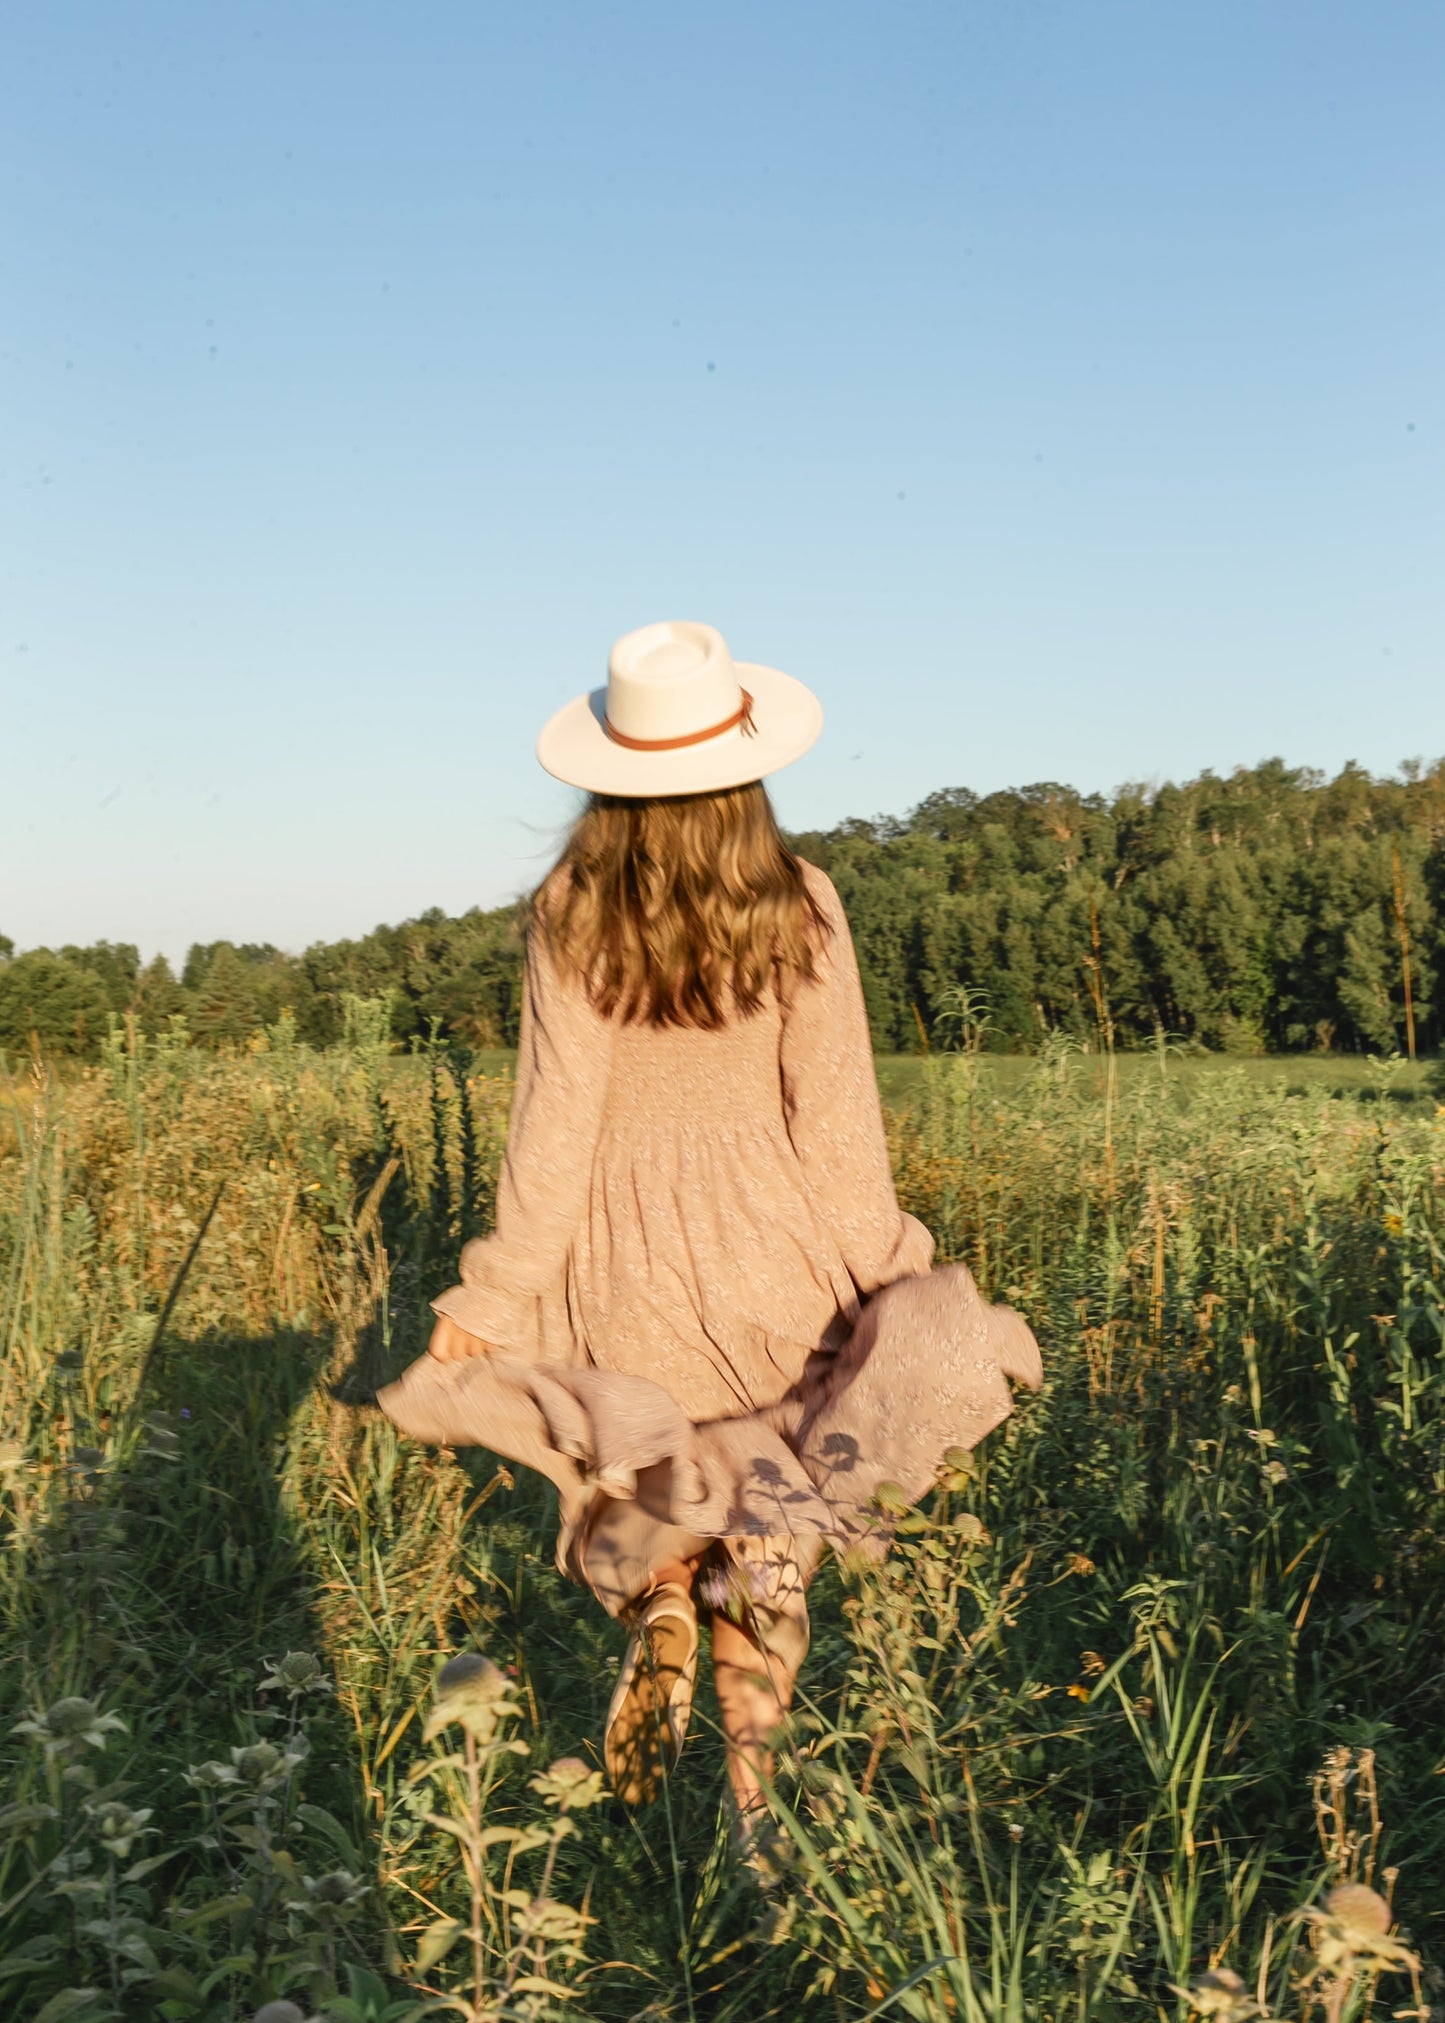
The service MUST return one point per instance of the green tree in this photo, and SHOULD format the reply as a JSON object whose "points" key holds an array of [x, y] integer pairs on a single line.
{"points": [[58, 1004], [224, 1004]]}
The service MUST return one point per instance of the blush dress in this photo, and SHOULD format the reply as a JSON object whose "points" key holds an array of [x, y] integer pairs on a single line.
{"points": [[697, 1214]]}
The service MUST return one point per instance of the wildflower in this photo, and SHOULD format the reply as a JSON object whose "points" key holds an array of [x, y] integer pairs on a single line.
{"points": [[1081, 1564], [70, 1723], [1353, 1931], [569, 1785], [1222, 1993], [333, 1895], [263, 1766], [472, 1691], [714, 1587], [211, 1776], [1262, 1436], [1092, 1664], [1015, 1831], [956, 1470], [889, 1498], [1275, 1472], [1079, 1693], [297, 1673], [116, 1826]]}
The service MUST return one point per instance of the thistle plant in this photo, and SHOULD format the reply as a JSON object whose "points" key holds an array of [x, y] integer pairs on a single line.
{"points": [[519, 1942], [97, 1871], [1205, 1561], [288, 1924]]}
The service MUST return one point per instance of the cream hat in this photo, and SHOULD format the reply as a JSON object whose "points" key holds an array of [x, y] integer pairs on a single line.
{"points": [[679, 716]]}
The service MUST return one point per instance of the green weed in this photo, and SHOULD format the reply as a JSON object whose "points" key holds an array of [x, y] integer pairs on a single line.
{"points": [[1144, 1685]]}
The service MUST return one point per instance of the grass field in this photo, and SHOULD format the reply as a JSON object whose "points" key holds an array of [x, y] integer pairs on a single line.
{"points": [[1144, 1680], [901, 1076]]}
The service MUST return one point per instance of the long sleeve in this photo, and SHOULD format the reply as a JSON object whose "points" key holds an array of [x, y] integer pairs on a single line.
{"points": [[564, 1061], [834, 1119]]}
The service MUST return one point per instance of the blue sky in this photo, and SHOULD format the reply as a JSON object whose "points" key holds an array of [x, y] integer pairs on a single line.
{"points": [[1056, 388]]}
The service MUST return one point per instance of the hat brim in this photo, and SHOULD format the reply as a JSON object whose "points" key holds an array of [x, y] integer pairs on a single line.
{"points": [[787, 717]]}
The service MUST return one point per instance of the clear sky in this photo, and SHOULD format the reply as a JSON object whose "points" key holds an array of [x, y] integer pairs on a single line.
{"points": [[1057, 388]]}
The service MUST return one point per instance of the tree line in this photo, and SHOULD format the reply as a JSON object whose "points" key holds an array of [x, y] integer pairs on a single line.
{"points": [[1273, 910]]}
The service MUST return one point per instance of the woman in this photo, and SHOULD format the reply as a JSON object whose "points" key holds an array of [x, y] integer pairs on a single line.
{"points": [[695, 1203]]}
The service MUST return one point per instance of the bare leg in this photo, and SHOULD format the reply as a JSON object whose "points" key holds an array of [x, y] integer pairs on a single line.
{"points": [[754, 1692], [675, 1573], [648, 1717]]}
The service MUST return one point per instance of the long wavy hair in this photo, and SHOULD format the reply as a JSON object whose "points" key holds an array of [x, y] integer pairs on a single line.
{"points": [[681, 911]]}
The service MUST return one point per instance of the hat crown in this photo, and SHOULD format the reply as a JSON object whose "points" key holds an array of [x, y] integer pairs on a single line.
{"points": [[671, 680]]}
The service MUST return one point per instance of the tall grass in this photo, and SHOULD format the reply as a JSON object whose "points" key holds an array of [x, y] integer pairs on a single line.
{"points": [[1146, 1679]]}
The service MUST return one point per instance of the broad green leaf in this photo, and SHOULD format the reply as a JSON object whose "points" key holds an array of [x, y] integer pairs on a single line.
{"points": [[71, 2002], [436, 1942], [331, 1830], [219, 1907]]}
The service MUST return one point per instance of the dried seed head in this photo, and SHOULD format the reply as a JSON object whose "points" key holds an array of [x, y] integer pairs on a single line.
{"points": [[1361, 1911], [473, 1692]]}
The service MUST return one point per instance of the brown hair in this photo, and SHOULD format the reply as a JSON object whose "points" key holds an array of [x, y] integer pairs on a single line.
{"points": [[683, 910]]}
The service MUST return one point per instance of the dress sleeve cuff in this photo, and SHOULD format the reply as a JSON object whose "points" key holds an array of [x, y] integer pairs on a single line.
{"points": [[910, 1255], [914, 1254], [505, 1320]]}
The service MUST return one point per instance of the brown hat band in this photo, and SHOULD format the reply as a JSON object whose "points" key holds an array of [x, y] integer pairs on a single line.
{"points": [[744, 716]]}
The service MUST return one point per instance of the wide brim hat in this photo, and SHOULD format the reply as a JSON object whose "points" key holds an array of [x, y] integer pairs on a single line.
{"points": [[679, 716]]}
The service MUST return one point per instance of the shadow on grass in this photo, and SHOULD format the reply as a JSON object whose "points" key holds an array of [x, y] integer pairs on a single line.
{"points": [[658, 1881]]}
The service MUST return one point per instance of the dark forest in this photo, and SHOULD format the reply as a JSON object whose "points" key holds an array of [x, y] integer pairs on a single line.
{"points": [[1271, 911]]}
